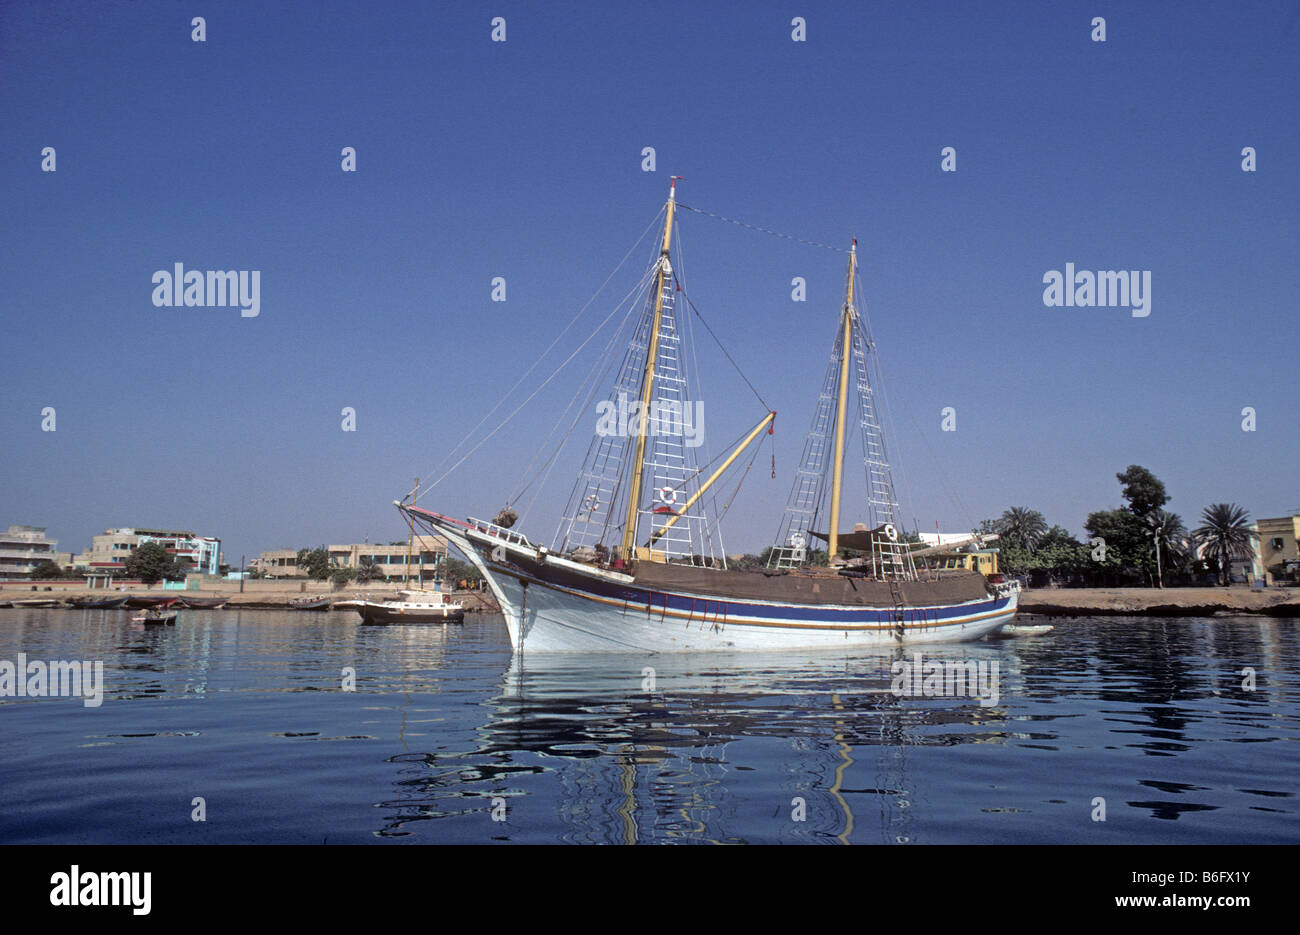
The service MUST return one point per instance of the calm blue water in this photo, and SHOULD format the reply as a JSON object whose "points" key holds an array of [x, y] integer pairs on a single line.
{"points": [[245, 710]]}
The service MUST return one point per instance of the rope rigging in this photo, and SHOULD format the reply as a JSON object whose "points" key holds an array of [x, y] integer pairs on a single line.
{"points": [[722, 347], [544, 457], [515, 411], [762, 230], [452, 452]]}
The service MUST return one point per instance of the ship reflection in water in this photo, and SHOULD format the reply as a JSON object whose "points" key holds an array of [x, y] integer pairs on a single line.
{"points": [[704, 748], [445, 731], [823, 748]]}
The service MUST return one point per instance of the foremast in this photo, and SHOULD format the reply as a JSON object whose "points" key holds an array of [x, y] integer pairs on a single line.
{"points": [[665, 270], [846, 338], [627, 505]]}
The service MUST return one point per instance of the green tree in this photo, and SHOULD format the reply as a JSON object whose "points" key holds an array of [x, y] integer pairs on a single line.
{"points": [[1057, 536], [455, 570], [367, 570], [1124, 538], [316, 562], [46, 569], [1225, 535], [1143, 491], [342, 575], [1020, 528], [1059, 555], [150, 563], [1129, 543]]}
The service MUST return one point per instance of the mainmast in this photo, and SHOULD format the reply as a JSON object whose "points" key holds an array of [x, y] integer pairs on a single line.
{"points": [[846, 343], [647, 383]]}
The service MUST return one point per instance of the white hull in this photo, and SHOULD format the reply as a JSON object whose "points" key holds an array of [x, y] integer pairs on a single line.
{"points": [[555, 620], [544, 617]]}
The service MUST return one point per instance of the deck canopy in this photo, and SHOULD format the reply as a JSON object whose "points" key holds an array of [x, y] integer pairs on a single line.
{"points": [[859, 539]]}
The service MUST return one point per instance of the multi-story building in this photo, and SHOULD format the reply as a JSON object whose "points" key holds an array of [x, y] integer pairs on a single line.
{"points": [[1279, 550], [108, 553], [278, 563], [22, 548], [420, 561]]}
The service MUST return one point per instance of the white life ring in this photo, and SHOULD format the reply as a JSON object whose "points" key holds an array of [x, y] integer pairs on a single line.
{"points": [[891, 532], [592, 503], [797, 541], [667, 495]]}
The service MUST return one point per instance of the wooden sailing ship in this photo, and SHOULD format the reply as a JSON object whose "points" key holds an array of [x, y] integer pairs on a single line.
{"points": [[633, 566]]}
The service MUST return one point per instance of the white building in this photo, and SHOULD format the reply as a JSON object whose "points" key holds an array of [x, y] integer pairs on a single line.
{"points": [[22, 548], [108, 553]]}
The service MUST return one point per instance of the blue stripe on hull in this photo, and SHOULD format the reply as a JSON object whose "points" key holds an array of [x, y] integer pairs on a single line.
{"points": [[835, 616], [560, 618]]}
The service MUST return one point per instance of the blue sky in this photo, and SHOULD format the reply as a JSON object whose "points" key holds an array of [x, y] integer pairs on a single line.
{"points": [[522, 159]]}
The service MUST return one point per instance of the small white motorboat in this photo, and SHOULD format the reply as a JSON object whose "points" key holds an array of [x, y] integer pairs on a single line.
{"points": [[1026, 630], [413, 607]]}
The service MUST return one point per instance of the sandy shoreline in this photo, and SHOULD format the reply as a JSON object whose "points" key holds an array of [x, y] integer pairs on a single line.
{"points": [[1157, 602], [1052, 602], [474, 601]]}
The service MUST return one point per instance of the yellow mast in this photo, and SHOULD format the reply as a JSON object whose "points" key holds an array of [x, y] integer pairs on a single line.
{"points": [[647, 383], [767, 420], [846, 346], [410, 542]]}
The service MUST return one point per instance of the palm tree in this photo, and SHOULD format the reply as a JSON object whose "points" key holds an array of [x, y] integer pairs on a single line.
{"points": [[1224, 535], [367, 570], [1169, 535], [1021, 528]]}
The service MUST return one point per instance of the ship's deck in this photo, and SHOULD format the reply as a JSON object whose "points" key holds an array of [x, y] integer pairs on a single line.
{"points": [[820, 586]]}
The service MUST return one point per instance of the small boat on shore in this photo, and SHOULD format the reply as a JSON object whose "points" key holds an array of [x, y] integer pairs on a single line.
{"points": [[311, 603], [149, 600], [202, 603], [37, 602], [155, 618], [99, 603]]}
